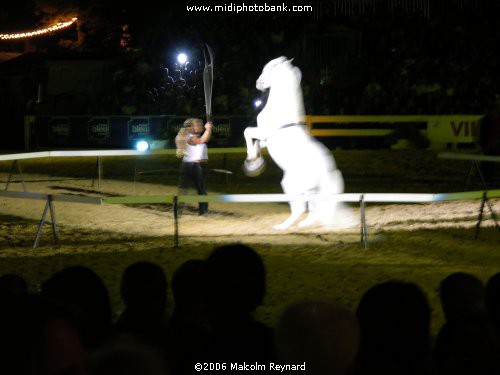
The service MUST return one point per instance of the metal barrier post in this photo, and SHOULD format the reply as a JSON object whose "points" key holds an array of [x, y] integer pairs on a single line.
{"points": [[176, 223], [364, 230]]}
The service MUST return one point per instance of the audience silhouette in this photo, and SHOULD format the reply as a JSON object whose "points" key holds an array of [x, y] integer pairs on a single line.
{"points": [[66, 327], [83, 292], [187, 293], [234, 283], [461, 293], [144, 293], [12, 286], [467, 344], [188, 326], [394, 319], [39, 337], [322, 334], [492, 301]]}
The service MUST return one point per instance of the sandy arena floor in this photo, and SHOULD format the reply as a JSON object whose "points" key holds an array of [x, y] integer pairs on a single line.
{"points": [[421, 243], [248, 222]]}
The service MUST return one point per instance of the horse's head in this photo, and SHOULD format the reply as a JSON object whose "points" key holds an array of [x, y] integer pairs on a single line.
{"points": [[275, 68]]}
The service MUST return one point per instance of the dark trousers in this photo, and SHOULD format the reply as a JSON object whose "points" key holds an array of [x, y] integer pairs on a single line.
{"points": [[192, 173]]}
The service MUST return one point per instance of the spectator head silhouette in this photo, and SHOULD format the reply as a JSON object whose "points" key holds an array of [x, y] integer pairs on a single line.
{"points": [[233, 287], [234, 280], [186, 287], [394, 319], [467, 344], [144, 286], [39, 337], [83, 292], [461, 293], [188, 328], [492, 299], [323, 334], [63, 351], [12, 285], [144, 293]]}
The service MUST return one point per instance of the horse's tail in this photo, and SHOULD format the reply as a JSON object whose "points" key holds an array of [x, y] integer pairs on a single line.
{"points": [[331, 183]]}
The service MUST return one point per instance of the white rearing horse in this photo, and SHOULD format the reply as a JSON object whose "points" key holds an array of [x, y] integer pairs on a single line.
{"points": [[308, 166]]}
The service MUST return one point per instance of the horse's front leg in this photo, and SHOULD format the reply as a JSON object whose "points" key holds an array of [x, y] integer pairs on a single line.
{"points": [[252, 138], [254, 163], [297, 208]]}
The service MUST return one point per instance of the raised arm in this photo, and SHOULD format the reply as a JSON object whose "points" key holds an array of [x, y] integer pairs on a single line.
{"points": [[205, 137]]}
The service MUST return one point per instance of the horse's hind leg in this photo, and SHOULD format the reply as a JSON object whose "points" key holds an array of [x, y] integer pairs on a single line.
{"points": [[312, 217], [291, 184], [297, 208]]}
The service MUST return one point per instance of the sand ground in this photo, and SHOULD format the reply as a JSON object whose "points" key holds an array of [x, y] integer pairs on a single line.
{"points": [[416, 242]]}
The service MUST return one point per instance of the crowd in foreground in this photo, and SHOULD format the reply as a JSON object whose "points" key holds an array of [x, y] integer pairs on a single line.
{"points": [[67, 327]]}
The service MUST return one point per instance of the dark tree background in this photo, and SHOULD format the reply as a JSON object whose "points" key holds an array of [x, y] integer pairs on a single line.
{"points": [[357, 56]]}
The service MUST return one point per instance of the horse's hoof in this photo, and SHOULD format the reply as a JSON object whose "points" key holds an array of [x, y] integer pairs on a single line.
{"points": [[254, 167], [281, 226], [307, 222]]}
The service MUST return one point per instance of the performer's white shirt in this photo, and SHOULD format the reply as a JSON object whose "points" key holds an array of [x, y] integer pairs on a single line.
{"points": [[195, 152]]}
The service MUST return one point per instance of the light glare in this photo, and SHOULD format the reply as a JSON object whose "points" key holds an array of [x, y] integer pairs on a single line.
{"points": [[141, 146], [181, 58]]}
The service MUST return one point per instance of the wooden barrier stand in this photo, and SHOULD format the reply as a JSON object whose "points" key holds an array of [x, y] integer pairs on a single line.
{"points": [[361, 198], [475, 159]]}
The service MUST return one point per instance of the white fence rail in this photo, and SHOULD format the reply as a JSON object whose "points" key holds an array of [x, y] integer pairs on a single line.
{"points": [[361, 198]]}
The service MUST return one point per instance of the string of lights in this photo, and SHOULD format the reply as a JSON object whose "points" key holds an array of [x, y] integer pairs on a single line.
{"points": [[30, 34]]}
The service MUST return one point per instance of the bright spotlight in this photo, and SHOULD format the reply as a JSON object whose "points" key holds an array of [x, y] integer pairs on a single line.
{"points": [[181, 58], [141, 146], [257, 103]]}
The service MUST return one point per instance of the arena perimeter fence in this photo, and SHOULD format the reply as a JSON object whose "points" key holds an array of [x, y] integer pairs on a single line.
{"points": [[361, 198]]}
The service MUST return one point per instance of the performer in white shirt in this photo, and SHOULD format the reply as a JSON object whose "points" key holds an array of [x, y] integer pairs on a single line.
{"points": [[191, 142]]}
